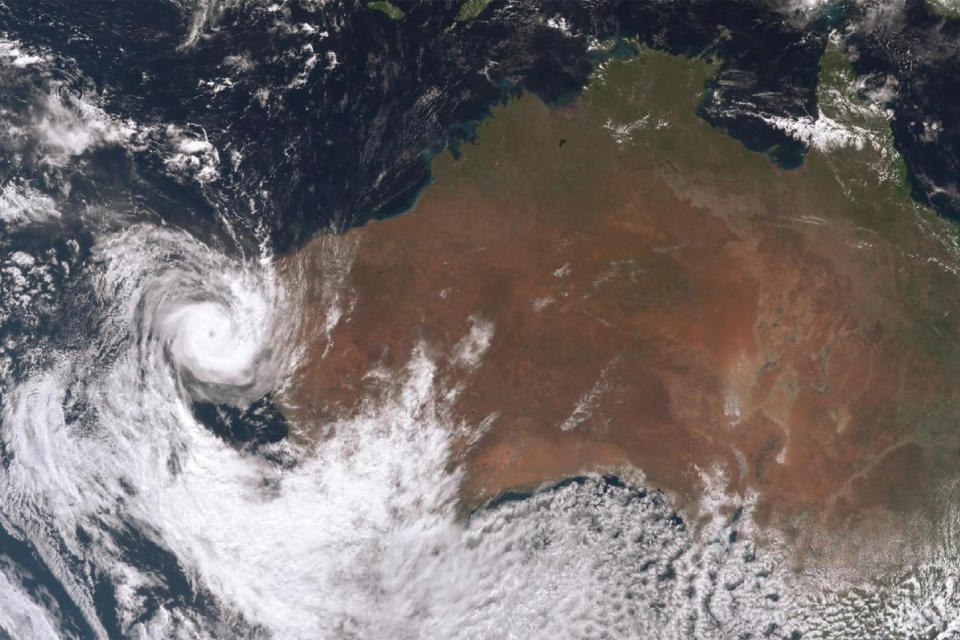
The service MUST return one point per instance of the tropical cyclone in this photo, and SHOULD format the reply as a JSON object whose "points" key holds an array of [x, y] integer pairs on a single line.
{"points": [[616, 284]]}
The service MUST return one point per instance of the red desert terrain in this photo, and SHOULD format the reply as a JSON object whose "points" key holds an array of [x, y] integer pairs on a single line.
{"points": [[641, 290]]}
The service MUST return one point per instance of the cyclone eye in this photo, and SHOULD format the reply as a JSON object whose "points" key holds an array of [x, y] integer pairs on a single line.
{"points": [[218, 345]]}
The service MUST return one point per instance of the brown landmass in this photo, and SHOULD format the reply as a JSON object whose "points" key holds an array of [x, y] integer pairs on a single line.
{"points": [[659, 297]]}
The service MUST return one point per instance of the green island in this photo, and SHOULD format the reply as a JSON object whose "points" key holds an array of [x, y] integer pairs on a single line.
{"points": [[387, 8], [471, 9]]}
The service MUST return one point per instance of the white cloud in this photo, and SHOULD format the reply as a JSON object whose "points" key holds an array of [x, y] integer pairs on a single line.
{"points": [[822, 133], [67, 127], [193, 157], [12, 53], [21, 205]]}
